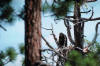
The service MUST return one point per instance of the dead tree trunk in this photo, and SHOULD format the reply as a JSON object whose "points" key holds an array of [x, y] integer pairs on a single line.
{"points": [[78, 27], [32, 32]]}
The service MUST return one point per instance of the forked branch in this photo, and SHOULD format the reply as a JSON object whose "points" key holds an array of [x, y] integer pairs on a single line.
{"points": [[47, 43], [66, 23]]}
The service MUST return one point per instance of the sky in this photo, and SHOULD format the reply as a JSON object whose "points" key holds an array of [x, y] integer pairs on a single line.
{"points": [[15, 33]]}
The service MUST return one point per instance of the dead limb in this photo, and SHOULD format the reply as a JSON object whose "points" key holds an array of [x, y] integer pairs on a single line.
{"points": [[54, 36], [95, 36], [3, 28], [47, 43], [66, 23]]}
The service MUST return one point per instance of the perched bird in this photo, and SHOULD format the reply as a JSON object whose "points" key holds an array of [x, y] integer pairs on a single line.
{"points": [[62, 40]]}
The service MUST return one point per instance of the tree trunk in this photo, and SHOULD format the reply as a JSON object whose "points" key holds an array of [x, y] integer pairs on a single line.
{"points": [[32, 32], [79, 27]]}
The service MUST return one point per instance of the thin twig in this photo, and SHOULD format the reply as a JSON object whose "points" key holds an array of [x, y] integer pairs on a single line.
{"points": [[68, 31], [47, 43], [86, 11], [92, 13], [43, 50], [46, 28], [3, 28], [92, 19], [54, 36], [95, 36]]}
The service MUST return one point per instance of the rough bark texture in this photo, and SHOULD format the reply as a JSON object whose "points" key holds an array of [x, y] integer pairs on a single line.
{"points": [[78, 28], [32, 32]]}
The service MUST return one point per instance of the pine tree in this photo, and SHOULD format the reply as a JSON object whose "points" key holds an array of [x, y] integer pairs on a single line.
{"points": [[32, 32]]}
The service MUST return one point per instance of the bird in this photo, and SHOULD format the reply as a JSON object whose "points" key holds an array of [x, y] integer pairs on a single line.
{"points": [[62, 40]]}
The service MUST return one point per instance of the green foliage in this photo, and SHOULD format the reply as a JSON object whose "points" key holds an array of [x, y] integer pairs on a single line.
{"points": [[62, 7], [80, 1], [59, 9], [2, 55], [4, 2], [23, 62], [7, 13], [78, 59], [7, 56], [68, 64], [21, 49], [75, 57], [11, 53], [45, 7]]}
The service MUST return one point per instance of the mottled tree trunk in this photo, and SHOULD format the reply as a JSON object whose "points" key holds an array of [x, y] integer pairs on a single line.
{"points": [[79, 26], [32, 32]]}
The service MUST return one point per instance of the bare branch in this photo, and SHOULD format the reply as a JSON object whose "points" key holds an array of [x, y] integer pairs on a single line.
{"points": [[92, 19], [68, 31], [54, 36], [47, 43], [95, 36], [92, 13], [69, 17], [43, 50], [44, 58], [3, 28], [46, 28], [86, 11]]}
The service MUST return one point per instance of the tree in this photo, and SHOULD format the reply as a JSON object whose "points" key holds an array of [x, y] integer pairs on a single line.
{"points": [[32, 27], [32, 32], [59, 10]]}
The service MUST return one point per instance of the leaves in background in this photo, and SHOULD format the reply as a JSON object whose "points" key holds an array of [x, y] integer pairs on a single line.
{"points": [[59, 8], [22, 49], [6, 13], [11, 53], [4, 2]]}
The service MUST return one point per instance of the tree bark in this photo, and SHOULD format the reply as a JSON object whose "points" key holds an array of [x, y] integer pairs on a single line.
{"points": [[79, 27], [32, 32]]}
